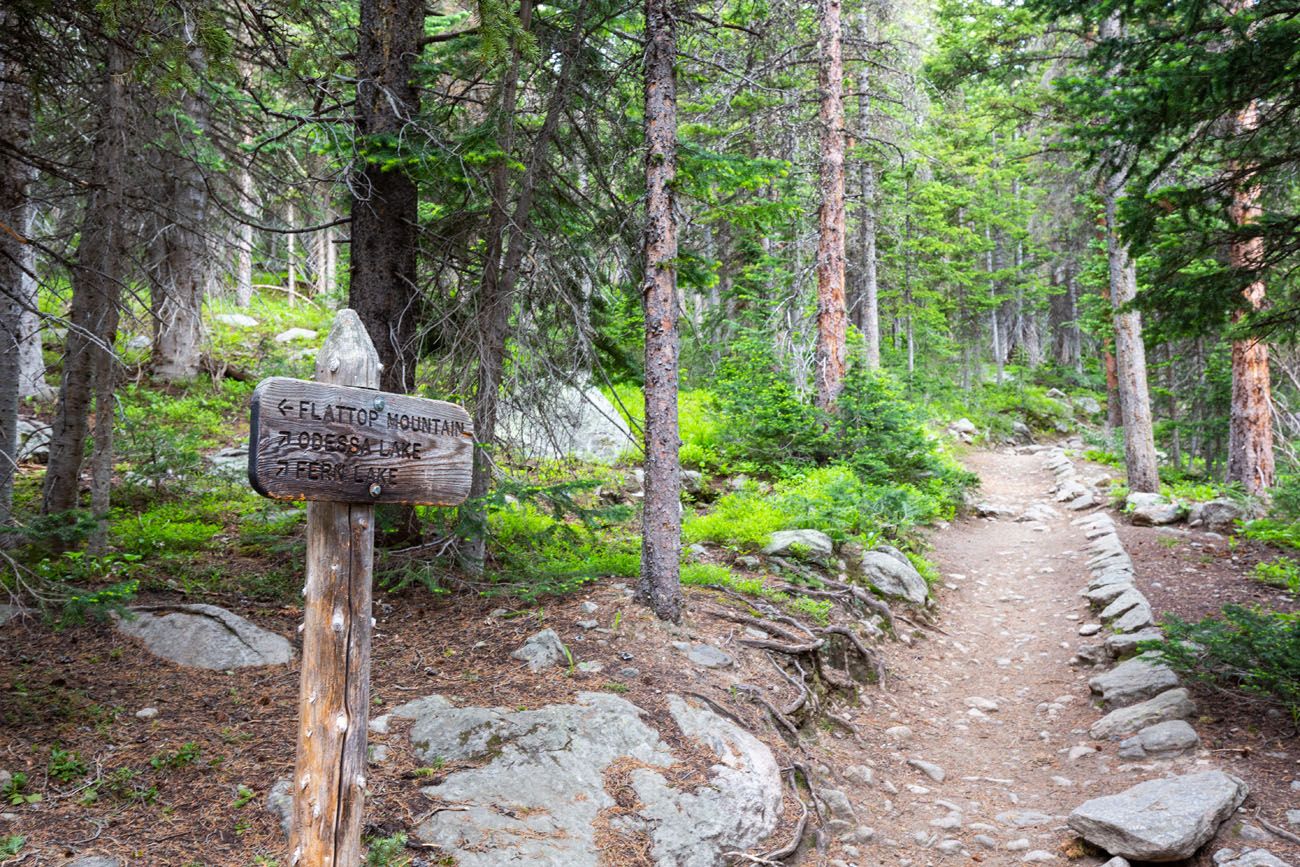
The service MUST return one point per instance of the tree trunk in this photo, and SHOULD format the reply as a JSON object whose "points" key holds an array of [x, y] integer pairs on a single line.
{"points": [[662, 517], [15, 179], [31, 358], [385, 203], [1063, 314], [1250, 423], [1130, 353], [184, 269], [244, 234], [832, 350], [868, 301], [96, 286]]}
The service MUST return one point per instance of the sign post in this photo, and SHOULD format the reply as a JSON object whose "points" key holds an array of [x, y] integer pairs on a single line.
{"points": [[344, 446]]}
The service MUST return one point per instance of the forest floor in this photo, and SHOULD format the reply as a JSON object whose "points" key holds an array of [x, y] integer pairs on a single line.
{"points": [[1005, 630]]}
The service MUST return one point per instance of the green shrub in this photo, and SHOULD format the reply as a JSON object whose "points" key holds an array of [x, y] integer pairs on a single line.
{"points": [[1274, 532], [1249, 649], [1282, 572], [12, 844], [1286, 498], [65, 765], [744, 520]]}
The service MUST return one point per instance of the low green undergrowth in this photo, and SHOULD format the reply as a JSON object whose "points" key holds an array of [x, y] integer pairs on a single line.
{"points": [[1251, 650], [1281, 572]]}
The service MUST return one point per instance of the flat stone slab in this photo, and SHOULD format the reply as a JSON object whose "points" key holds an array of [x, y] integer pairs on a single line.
{"points": [[1132, 681], [542, 791], [1121, 604], [205, 636], [1249, 858], [1160, 820], [1126, 643], [1137, 618], [1169, 705], [1160, 740]]}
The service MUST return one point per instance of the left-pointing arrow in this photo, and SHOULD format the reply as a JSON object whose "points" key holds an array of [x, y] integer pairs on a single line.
{"points": [[283, 403]]}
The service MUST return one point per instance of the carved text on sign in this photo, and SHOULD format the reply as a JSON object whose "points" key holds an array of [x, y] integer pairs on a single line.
{"points": [[315, 441]]}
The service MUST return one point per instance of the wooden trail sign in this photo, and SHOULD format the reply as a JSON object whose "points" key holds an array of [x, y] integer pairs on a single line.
{"points": [[315, 441], [419, 451]]}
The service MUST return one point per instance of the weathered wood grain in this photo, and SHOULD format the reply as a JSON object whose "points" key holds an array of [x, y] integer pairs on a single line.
{"points": [[321, 441], [329, 781]]}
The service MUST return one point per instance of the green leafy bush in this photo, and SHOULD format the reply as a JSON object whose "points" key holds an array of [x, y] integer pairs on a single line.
{"points": [[744, 520], [1274, 532], [1282, 572], [1249, 649]]}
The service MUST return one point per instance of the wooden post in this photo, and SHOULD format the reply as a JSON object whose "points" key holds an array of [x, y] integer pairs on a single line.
{"points": [[329, 781]]}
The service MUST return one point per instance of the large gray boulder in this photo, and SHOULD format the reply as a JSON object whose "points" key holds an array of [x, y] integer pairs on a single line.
{"points": [[34, 440], [543, 791], [1168, 705], [1132, 681], [802, 544], [894, 578], [572, 422], [1160, 820], [1218, 516], [204, 636], [1151, 510]]}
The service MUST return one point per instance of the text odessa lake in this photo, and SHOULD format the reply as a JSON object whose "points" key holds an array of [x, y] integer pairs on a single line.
{"points": [[321, 442]]}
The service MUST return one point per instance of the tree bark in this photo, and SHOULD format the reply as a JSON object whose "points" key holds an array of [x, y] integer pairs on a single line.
{"points": [[508, 242], [244, 233], [832, 319], [15, 178], [385, 203], [868, 300], [1130, 352], [183, 268], [660, 583], [1250, 423], [96, 287]]}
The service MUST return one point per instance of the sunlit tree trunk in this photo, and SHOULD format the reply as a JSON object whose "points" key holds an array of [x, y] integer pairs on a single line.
{"points": [[832, 319], [660, 583], [1130, 352], [1250, 423]]}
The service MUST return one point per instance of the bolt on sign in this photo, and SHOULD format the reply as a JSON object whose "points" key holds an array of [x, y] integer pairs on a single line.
{"points": [[314, 441]]}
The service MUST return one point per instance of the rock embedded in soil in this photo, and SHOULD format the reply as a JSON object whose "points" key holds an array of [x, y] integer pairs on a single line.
{"points": [[930, 769], [1126, 601], [539, 796], [708, 656], [279, 803], [542, 650], [1173, 704], [1126, 643], [1160, 820], [1160, 740], [1132, 681], [802, 544], [205, 636], [1136, 619], [892, 578], [94, 861]]}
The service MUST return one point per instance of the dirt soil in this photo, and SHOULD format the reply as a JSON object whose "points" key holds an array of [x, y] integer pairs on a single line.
{"points": [[1006, 628]]}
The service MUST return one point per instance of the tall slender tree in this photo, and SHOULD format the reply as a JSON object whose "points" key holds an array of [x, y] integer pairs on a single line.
{"points": [[1130, 351], [385, 203], [661, 544], [1250, 421], [832, 318]]}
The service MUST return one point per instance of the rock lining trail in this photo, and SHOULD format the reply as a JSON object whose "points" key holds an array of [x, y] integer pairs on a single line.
{"points": [[982, 744]]}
